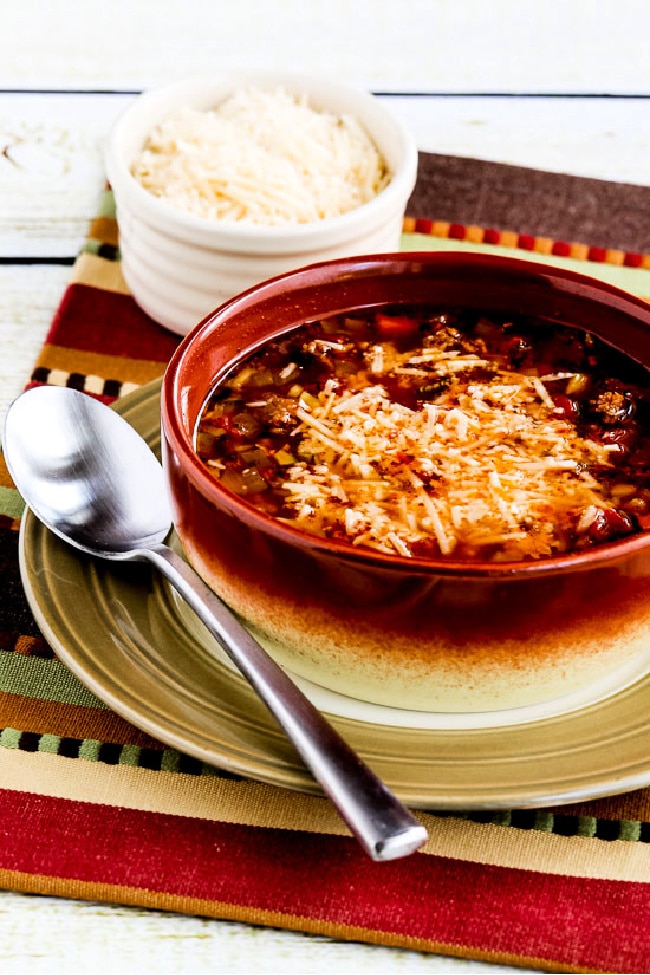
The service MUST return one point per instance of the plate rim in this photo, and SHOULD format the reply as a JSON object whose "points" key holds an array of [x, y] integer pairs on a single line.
{"points": [[297, 778]]}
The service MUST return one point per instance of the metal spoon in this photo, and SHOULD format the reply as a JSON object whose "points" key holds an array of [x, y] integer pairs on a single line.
{"points": [[94, 482]]}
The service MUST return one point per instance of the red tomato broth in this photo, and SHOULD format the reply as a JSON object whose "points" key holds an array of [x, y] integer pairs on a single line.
{"points": [[266, 435]]}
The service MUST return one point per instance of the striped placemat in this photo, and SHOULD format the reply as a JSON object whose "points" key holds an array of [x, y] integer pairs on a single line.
{"points": [[91, 807]]}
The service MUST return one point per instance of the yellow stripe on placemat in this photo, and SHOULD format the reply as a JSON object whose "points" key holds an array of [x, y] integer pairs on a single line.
{"points": [[104, 230], [97, 272], [137, 371], [268, 807], [5, 478]]}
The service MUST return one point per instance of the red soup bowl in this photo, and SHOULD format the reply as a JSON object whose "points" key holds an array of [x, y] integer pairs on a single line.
{"points": [[414, 633]]}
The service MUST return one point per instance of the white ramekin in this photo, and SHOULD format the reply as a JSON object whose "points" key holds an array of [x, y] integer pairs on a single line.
{"points": [[180, 267]]}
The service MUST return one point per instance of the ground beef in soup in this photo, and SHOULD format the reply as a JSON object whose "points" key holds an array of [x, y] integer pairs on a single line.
{"points": [[437, 434]]}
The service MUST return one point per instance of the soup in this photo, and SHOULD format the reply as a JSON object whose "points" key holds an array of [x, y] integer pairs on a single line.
{"points": [[445, 435]]}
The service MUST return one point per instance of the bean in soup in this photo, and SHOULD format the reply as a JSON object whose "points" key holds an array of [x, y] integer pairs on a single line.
{"points": [[441, 435]]}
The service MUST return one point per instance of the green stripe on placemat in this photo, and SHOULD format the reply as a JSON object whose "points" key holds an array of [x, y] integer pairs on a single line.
{"points": [[44, 680], [11, 503], [111, 753], [107, 205], [634, 280]]}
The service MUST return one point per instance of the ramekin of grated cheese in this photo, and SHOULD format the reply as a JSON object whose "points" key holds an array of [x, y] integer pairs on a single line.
{"points": [[221, 182]]}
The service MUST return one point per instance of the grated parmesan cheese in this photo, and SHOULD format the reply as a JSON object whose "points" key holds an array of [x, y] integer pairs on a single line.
{"points": [[427, 442], [261, 157], [470, 473]]}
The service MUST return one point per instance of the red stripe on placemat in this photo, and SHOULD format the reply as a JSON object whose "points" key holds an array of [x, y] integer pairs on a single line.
{"points": [[561, 249], [576, 922], [522, 241], [108, 323]]}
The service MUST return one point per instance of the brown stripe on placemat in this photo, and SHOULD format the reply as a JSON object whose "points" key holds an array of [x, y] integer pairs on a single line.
{"points": [[40, 716], [543, 204], [104, 229], [5, 479], [27, 646], [633, 806]]}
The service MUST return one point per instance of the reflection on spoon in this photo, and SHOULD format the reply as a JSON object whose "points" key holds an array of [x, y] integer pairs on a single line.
{"points": [[94, 482]]}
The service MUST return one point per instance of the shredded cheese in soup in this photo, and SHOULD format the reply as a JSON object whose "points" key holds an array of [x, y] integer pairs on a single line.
{"points": [[437, 435], [262, 157], [480, 471]]}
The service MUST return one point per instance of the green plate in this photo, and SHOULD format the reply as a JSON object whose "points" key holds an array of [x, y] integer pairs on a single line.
{"points": [[126, 636]]}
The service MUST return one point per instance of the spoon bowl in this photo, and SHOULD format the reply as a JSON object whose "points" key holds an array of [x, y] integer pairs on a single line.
{"points": [[85, 473], [94, 482]]}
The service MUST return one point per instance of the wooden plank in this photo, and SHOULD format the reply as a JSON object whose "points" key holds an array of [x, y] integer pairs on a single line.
{"points": [[28, 299], [49, 935], [52, 173], [51, 170], [50, 182], [404, 45]]}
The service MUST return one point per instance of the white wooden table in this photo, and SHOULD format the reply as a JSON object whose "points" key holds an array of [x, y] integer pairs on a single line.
{"points": [[563, 86]]}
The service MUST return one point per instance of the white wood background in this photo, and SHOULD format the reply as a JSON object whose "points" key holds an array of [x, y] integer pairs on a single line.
{"points": [[562, 85]]}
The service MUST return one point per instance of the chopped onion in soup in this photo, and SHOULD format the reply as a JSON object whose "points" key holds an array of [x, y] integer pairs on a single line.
{"points": [[437, 434]]}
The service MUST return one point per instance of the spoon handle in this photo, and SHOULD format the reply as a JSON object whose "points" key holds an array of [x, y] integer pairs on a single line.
{"points": [[383, 826]]}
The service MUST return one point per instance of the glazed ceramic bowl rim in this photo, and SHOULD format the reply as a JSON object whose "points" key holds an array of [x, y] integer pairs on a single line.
{"points": [[183, 448], [217, 234]]}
